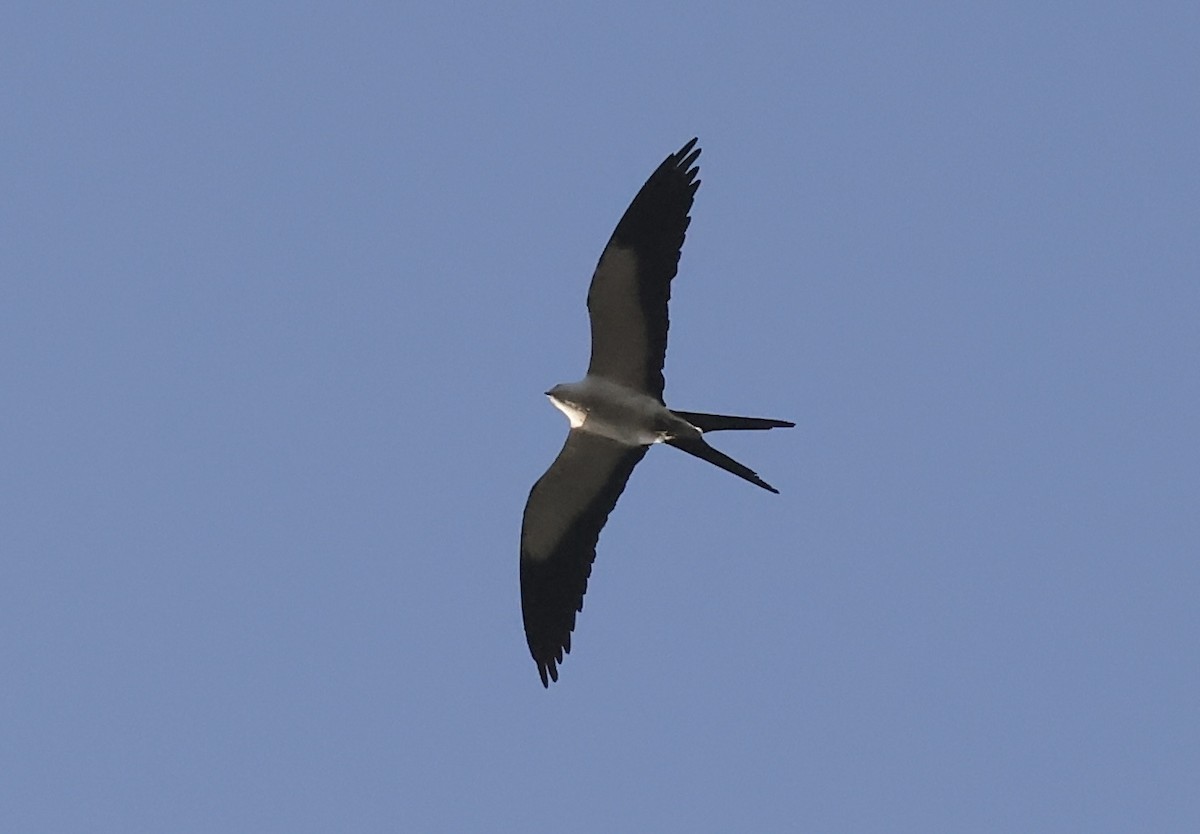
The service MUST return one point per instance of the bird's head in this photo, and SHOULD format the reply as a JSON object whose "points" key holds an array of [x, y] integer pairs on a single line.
{"points": [[565, 400]]}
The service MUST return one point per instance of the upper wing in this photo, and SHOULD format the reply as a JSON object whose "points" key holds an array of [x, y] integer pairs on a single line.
{"points": [[567, 507], [632, 283]]}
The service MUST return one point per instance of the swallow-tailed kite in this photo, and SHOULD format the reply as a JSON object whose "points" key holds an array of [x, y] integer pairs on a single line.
{"points": [[616, 411]]}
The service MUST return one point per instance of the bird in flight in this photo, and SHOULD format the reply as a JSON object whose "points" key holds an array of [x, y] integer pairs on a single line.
{"points": [[616, 411]]}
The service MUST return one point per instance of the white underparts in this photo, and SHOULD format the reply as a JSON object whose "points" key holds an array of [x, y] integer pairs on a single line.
{"points": [[574, 415], [598, 405]]}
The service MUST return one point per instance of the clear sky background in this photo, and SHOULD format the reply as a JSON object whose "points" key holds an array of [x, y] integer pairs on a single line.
{"points": [[281, 286]]}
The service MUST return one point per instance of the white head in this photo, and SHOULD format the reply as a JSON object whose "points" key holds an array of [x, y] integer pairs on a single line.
{"points": [[560, 396]]}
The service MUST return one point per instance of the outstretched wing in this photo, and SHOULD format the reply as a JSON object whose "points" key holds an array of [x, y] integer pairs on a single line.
{"points": [[628, 298], [566, 510]]}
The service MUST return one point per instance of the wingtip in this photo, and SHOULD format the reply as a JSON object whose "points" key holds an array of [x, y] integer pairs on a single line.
{"points": [[548, 672], [685, 158]]}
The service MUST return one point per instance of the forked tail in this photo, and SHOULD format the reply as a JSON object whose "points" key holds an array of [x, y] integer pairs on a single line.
{"points": [[723, 422], [696, 446]]}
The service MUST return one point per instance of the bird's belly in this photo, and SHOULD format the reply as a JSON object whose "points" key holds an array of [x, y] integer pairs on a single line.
{"points": [[602, 407], [625, 432]]}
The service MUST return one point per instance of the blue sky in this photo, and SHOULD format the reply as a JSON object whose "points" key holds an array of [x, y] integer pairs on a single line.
{"points": [[282, 286]]}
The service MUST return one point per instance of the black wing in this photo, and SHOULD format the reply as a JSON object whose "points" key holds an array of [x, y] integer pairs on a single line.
{"points": [[632, 283], [566, 510]]}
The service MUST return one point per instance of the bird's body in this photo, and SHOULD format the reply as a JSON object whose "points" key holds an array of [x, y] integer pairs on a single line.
{"points": [[600, 406], [616, 411]]}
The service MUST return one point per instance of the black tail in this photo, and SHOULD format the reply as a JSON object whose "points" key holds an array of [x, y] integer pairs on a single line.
{"points": [[722, 422], [696, 446]]}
